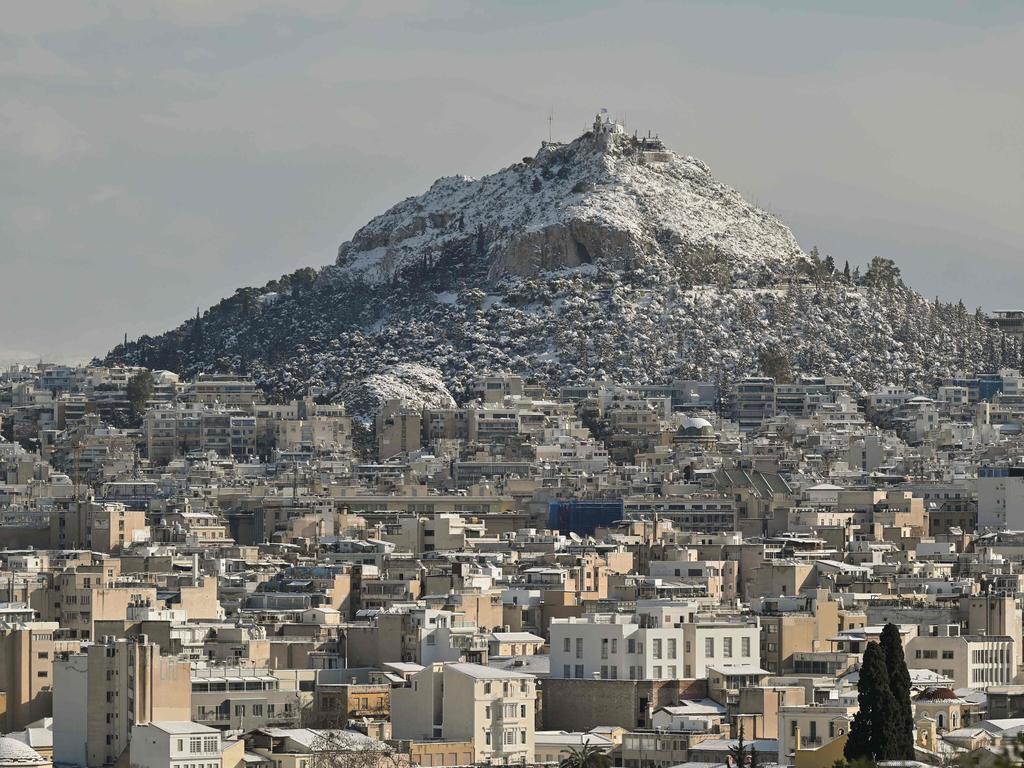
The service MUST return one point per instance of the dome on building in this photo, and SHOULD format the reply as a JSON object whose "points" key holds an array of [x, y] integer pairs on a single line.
{"points": [[695, 425], [937, 693], [14, 752]]}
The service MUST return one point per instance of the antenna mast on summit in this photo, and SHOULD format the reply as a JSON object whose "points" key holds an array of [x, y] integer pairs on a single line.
{"points": [[551, 116]]}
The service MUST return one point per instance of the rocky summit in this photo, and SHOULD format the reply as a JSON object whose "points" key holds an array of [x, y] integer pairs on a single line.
{"points": [[607, 257]]}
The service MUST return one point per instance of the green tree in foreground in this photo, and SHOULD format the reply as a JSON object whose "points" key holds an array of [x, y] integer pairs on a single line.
{"points": [[899, 684], [874, 734]]}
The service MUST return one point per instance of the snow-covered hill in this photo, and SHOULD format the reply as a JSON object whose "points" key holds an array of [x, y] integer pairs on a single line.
{"points": [[605, 197], [606, 257]]}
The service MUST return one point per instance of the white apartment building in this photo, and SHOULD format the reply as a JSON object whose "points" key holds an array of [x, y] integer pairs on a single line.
{"points": [[175, 744], [1001, 497], [661, 641], [971, 661], [493, 708]]}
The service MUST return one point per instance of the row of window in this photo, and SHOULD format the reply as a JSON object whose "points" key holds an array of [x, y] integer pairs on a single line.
{"points": [[657, 647], [506, 737], [200, 745], [508, 711], [636, 672]]}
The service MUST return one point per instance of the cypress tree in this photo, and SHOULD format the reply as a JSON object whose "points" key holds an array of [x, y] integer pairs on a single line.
{"points": [[874, 733], [899, 684]]}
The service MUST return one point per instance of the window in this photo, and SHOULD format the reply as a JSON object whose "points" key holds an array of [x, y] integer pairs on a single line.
{"points": [[657, 673], [656, 649], [709, 646], [615, 645], [487, 737], [672, 672], [509, 737], [671, 649], [195, 745], [745, 646], [579, 647], [566, 671], [487, 712], [566, 645], [579, 670], [947, 654], [210, 743], [727, 647], [631, 646], [604, 647]]}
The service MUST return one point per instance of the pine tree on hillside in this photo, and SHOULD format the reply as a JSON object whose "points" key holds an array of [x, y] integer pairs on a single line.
{"points": [[874, 734], [899, 684]]}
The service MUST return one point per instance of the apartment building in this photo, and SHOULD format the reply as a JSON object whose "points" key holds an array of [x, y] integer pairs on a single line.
{"points": [[82, 595], [971, 661], [1001, 497], [753, 402], [233, 697], [493, 708], [176, 429], [398, 430], [792, 625], [175, 744], [102, 527], [812, 726], [101, 693], [659, 642], [224, 389], [27, 651]]}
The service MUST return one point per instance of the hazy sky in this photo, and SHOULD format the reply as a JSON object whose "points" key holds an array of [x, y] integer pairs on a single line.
{"points": [[157, 155]]}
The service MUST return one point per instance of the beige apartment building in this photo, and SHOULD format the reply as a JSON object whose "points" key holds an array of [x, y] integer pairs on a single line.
{"points": [[788, 632], [224, 389], [971, 661], [27, 652], [101, 693], [106, 527], [492, 708], [80, 596], [812, 727], [398, 429]]}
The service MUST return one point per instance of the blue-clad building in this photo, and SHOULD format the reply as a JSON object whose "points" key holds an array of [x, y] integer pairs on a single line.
{"points": [[583, 516]]}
